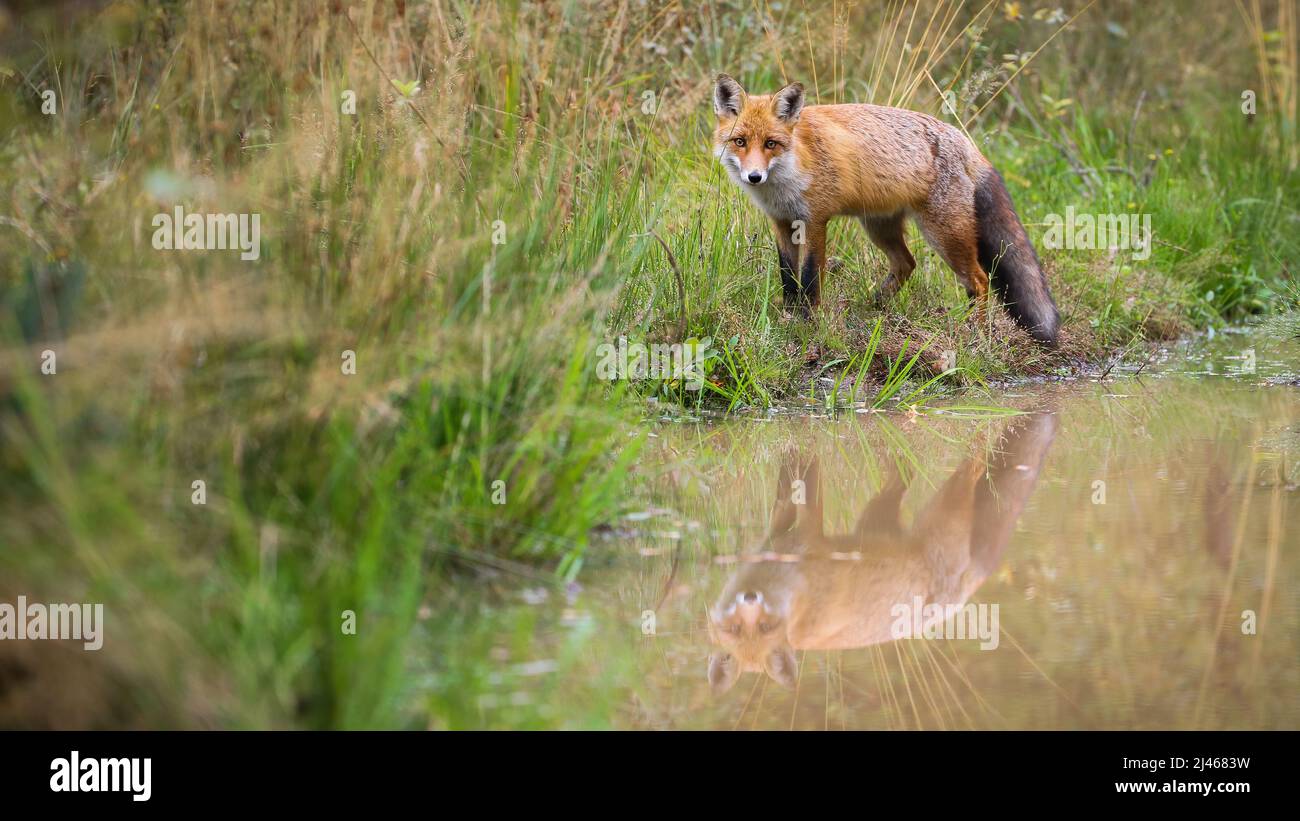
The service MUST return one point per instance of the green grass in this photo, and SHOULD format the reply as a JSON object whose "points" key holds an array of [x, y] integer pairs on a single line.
{"points": [[1285, 321], [472, 241]]}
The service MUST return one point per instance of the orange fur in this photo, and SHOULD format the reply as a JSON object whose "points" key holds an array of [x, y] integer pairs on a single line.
{"points": [[804, 165]]}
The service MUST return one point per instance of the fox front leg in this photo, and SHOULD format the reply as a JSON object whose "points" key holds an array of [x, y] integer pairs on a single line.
{"points": [[813, 266], [787, 260]]}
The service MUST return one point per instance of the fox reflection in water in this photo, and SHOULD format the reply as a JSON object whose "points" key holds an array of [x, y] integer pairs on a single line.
{"points": [[803, 589]]}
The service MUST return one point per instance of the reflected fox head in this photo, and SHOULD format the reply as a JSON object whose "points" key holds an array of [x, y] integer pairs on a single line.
{"points": [[749, 631], [755, 134]]}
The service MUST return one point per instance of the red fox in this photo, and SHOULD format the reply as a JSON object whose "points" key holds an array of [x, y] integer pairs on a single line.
{"points": [[840, 590], [805, 164]]}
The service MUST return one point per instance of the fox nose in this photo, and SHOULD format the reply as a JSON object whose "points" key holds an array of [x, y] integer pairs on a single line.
{"points": [[755, 177], [750, 597]]}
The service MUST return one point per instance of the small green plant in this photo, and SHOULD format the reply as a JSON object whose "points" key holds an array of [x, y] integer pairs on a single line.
{"points": [[408, 88]]}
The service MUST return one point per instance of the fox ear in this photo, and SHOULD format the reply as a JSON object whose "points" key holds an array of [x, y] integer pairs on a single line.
{"points": [[728, 96], [788, 102], [723, 672], [782, 667]]}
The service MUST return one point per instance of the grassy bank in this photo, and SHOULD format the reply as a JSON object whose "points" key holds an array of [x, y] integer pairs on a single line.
{"points": [[400, 389]]}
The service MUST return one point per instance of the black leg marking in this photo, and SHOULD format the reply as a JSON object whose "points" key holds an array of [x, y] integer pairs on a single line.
{"points": [[810, 282], [789, 282]]}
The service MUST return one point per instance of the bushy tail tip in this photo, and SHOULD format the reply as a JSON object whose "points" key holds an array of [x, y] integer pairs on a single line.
{"points": [[1009, 258]]}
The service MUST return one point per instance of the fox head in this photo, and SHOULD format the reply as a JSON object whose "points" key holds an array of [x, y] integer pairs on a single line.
{"points": [[755, 135], [749, 627]]}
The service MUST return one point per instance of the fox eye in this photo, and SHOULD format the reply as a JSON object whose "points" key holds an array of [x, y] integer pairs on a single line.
{"points": [[740, 142], [764, 627], [770, 144], [734, 629]]}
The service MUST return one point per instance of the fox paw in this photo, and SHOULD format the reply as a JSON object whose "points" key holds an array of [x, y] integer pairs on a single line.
{"points": [[793, 308], [884, 293]]}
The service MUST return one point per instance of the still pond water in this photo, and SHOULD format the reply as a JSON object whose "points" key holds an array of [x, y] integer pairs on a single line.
{"points": [[1118, 553]]}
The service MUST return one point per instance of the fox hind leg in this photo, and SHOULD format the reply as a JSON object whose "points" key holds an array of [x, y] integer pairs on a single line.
{"points": [[956, 242], [882, 513], [887, 234]]}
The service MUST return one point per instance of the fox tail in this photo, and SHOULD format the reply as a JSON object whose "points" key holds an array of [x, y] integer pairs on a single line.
{"points": [[1008, 256]]}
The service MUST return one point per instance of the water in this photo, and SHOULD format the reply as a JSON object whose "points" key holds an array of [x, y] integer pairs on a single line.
{"points": [[1119, 553]]}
